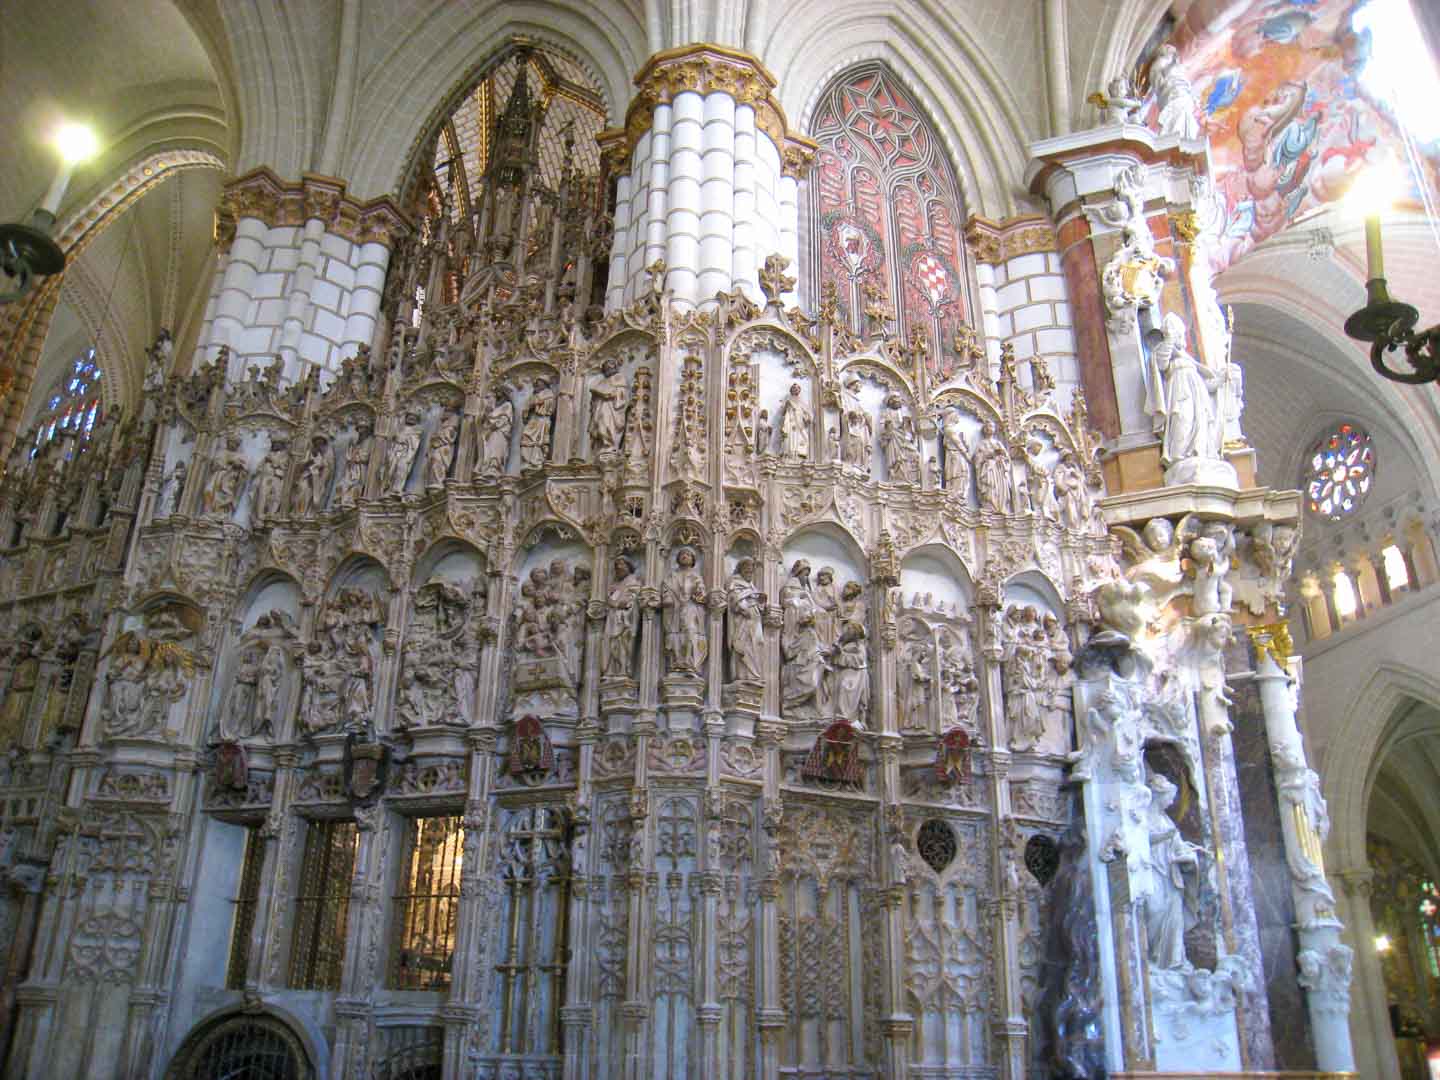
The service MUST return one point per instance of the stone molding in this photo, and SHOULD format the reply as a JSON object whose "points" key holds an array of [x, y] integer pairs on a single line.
{"points": [[264, 196]]}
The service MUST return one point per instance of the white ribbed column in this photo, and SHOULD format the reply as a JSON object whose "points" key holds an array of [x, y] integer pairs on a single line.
{"points": [[682, 217], [745, 256], [717, 196], [705, 188], [309, 292]]}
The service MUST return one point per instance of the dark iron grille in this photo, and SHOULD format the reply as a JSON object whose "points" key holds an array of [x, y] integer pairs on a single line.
{"points": [[426, 903], [318, 951], [249, 896], [243, 1050], [411, 1053]]}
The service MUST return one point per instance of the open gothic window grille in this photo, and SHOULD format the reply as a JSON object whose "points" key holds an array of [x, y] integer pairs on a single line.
{"points": [[317, 952], [1338, 472], [889, 214], [245, 904], [239, 1047], [73, 403], [426, 903]]}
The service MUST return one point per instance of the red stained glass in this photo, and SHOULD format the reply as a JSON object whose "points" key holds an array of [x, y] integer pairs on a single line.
{"points": [[1339, 472], [889, 212]]}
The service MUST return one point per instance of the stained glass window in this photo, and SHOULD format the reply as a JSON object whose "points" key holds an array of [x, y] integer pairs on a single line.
{"points": [[73, 402], [1339, 471], [889, 213], [1429, 910]]}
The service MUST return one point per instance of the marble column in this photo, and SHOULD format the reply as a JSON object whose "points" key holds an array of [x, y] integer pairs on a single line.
{"points": [[1324, 960]]}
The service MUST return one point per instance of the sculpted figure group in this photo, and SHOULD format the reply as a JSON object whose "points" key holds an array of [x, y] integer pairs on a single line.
{"points": [[825, 657]]}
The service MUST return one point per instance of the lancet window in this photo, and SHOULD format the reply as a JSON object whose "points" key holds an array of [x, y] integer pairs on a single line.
{"points": [[246, 901], [322, 907], [73, 403], [888, 215], [426, 904]]}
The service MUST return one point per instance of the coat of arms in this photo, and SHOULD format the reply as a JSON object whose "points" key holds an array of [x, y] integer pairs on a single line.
{"points": [[835, 755], [952, 757], [530, 749], [366, 764], [231, 771]]}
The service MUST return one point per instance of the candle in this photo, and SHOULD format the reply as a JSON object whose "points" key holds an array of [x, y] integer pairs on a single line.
{"points": [[51, 202], [1374, 256]]}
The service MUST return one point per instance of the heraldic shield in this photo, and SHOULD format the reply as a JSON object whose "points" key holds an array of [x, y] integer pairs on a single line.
{"points": [[835, 755]]}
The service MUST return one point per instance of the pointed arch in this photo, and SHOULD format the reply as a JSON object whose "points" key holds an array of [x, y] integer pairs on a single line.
{"points": [[888, 211]]}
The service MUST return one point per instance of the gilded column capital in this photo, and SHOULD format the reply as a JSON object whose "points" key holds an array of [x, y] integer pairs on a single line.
{"points": [[1272, 640]]}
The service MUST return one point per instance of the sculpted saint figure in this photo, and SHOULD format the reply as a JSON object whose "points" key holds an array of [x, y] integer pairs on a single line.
{"points": [[351, 487], [826, 596], [684, 600], [794, 427], [267, 694], [240, 703], [858, 430], [497, 425], [174, 488], [957, 458], [608, 400], [269, 483], [1038, 483], [764, 434], [1170, 908], [853, 607], [535, 435], [442, 449], [1192, 427], [312, 486], [747, 632], [1072, 493], [849, 676], [802, 679], [621, 620], [796, 597], [913, 668], [403, 447], [227, 481], [993, 475]]}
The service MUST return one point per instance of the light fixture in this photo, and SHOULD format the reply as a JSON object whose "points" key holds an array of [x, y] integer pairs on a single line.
{"points": [[1382, 943], [1385, 323], [28, 251]]}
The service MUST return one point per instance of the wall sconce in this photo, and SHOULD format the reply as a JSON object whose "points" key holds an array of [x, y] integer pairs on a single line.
{"points": [[1385, 323], [1382, 943], [28, 251]]}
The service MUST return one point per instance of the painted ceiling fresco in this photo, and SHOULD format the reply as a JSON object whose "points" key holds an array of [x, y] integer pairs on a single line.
{"points": [[1291, 112]]}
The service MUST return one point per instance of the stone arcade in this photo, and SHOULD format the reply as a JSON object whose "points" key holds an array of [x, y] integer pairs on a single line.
{"points": [[659, 636]]}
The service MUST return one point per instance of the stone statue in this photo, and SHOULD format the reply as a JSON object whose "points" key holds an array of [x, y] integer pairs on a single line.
{"points": [[622, 617], [747, 632], [857, 429], [1179, 107], [312, 486], [849, 676], [1170, 909], [898, 443], [228, 473], [267, 694], [1118, 104], [825, 594], [1185, 397], [764, 434], [683, 598], [401, 456], [960, 689], [1072, 493], [794, 426], [993, 474], [957, 458], [351, 488], [1024, 676], [497, 426], [1040, 491], [915, 678], [173, 489], [239, 716], [609, 398], [536, 432], [1211, 554], [442, 450], [269, 483]]}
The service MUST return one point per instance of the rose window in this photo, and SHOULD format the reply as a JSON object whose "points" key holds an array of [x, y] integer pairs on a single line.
{"points": [[1339, 471]]}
